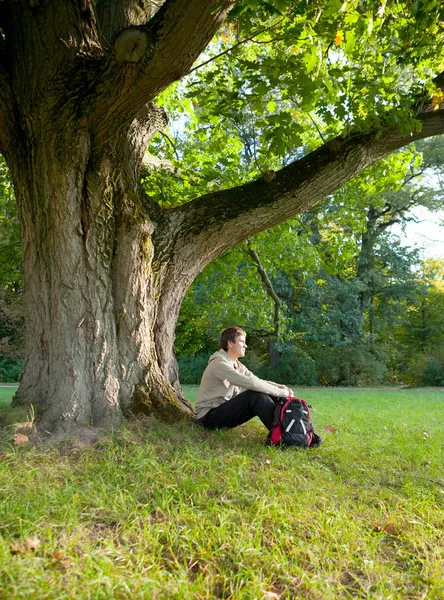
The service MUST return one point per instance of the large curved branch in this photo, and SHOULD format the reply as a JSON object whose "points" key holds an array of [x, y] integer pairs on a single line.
{"points": [[115, 16], [187, 238], [217, 221], [49, 45], [147, 59]]}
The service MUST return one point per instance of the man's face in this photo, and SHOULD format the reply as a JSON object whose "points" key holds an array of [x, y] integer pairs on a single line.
{"points": [[237, 348]]}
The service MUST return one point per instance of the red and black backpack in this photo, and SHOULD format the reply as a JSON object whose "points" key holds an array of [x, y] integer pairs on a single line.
{"points": [[292, 425]]}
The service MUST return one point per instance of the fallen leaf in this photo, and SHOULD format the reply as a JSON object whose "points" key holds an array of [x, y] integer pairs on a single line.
{"points": [[33, 543], [19, 439], [270, 596], [268, 461], [58, 556], [18, 549], [244, 436], [387, 528], [427, 463], [330, 428]]}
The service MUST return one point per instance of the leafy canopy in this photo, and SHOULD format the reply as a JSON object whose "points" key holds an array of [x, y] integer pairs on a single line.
{"points": [[291, 75]]}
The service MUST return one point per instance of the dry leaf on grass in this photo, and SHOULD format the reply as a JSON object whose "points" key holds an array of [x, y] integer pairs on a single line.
{"points": [[18, 548], [330, 428], [19, 439], [33, 543], [29, 544], [389, 528], [270, 596], [59, 556]]}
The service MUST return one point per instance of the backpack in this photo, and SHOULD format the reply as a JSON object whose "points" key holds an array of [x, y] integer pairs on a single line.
{"points": [[292, 425]]}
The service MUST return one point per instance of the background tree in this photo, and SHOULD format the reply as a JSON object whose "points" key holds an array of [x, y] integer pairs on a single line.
{"points": [[106, 267], [343, 280], [419, 334]]}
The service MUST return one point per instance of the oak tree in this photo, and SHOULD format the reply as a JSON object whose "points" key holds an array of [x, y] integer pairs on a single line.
{"points": [[105, 266]]}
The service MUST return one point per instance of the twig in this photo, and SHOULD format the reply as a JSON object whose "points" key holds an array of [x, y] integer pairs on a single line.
{"points": [[268, 286], [316, 125], [9, 246], [166, 136], [249, 39]]}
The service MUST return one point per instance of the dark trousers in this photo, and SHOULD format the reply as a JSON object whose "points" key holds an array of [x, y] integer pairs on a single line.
{"points": [[239, 409]]}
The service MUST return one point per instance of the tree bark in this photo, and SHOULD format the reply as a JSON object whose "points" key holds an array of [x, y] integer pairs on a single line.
{"points": [[91, 285]]}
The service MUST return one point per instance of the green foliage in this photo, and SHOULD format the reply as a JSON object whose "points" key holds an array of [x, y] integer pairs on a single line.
{"points": [[192, 367], [307, 72], [419, 331], [10, 370], [174, 512], [293, 364], [433, 372], [10, 276], [358, 365], [345, 282]]}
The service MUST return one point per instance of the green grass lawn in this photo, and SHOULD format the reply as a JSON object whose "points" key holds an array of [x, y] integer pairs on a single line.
{"points": [[161, 511], [6, 393]]}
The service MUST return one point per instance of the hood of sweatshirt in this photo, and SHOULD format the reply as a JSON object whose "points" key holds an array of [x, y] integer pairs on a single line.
{"points": [[221, 355]]}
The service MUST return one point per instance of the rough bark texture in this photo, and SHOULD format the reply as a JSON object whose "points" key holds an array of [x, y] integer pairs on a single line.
{"points": [[106, 269]]}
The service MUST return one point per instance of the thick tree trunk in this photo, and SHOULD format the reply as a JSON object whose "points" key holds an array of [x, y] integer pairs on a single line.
{"points": [[92, 287]]}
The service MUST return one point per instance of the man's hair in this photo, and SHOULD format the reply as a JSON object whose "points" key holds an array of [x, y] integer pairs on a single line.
{"points": [[229, 335]]}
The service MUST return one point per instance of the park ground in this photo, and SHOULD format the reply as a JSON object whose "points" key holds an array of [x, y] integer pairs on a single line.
{"points": [[170, 511]]}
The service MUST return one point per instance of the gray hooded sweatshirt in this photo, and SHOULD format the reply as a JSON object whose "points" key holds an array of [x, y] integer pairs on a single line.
{"points": [[222, 379]]}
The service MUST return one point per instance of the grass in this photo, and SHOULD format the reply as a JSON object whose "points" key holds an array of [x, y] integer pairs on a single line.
{"points": [[163, 511], [6, 393]]}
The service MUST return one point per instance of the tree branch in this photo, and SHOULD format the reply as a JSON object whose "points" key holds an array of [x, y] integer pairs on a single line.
{"points": [[115, 16], [268, 286], [197, 232], [244, 41], [147, 59]]}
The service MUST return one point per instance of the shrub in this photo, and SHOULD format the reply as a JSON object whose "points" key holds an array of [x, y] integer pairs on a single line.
{"points": [[354, 366], [426, 368], [433, 372], [10, 370], [294, 366], [191, 367]]}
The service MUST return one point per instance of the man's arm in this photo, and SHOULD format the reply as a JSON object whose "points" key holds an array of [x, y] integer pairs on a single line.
{"points": [[242, 377]]}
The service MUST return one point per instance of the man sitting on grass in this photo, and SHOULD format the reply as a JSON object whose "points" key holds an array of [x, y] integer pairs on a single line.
{"points": [[219, 403]]}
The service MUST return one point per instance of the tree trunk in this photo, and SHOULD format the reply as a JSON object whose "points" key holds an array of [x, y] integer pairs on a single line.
{"points": [[93, 286]]}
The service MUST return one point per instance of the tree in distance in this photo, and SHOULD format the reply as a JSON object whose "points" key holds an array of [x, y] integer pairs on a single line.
{"points": [[105, 266]]}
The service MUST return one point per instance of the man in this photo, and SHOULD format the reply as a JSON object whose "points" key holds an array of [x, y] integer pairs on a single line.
{"points": [[219, 403]]}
